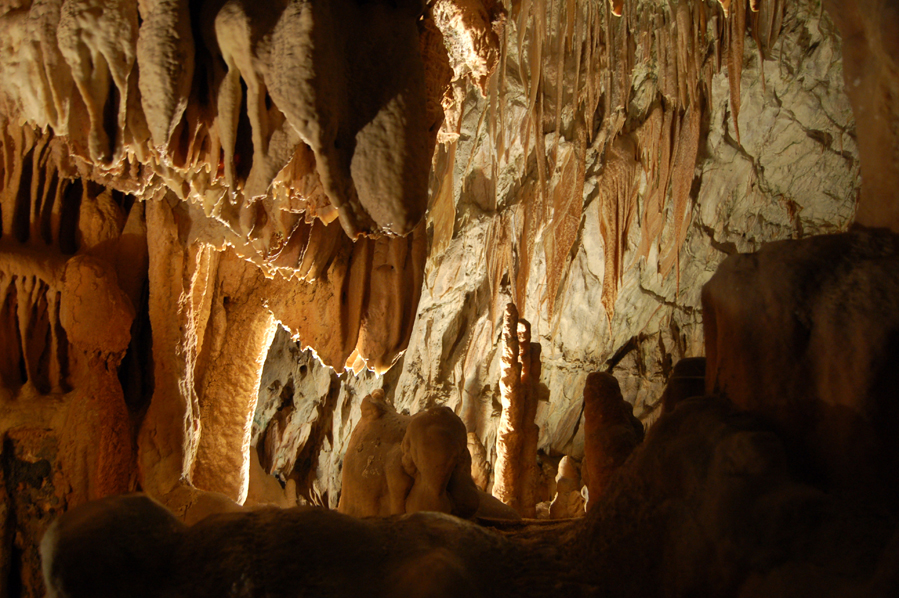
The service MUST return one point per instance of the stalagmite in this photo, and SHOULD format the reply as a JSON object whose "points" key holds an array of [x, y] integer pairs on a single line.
{"points": [[399, 464], [529, 357], [509, 438], [611, 433], [568, 501], [516, 471], [687, 380]]}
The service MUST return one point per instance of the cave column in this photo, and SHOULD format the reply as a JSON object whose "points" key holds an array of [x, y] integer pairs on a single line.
{"points": [[181, 279], [529, 356], [871, 72], [239, 335]]}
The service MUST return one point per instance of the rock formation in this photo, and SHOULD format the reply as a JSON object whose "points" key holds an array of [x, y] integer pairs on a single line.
{"points": [[687, 380], [729, 470], [224, 223], [611, 432], [516, 470], [827, 378], [568, 501], [399, 464]]}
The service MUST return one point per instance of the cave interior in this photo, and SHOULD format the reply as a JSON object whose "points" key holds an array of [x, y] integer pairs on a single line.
{"points": [[449, 298]]}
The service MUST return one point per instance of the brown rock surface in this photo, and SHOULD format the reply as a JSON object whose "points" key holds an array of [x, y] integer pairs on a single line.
{"points": [[687, 380], [805, 333], [575, 144], [567, 502], [870, 31], [710, 491], [611, 432]]}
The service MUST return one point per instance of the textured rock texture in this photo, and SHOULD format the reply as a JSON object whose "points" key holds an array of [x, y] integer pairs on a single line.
{"points": [[870, 68], [599, 278], [611, 432], [178, 178]]}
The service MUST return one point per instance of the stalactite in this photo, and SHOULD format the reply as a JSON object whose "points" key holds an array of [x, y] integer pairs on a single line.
{"points": [[567, 208], [736, 35], [498, 251], [10, 333], [617, 194], [530, 219], [687, 76], [681, 182], [443, 208], [165, 50], [766, 21], [389, 306], [99, 45]]}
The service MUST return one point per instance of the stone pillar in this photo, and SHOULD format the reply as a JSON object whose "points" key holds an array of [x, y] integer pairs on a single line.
{"points": [[239, 335], [181, 282], [516, 471], [611, 432], [529, 355], [507, 470], [870, 42]]}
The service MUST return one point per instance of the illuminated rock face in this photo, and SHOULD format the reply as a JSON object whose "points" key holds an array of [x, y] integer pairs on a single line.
{"points": [[179, 178], [398, 464]]}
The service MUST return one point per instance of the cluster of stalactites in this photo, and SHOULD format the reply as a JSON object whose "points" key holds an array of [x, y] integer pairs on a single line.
{"points": [[217, 98], [686, 43]]}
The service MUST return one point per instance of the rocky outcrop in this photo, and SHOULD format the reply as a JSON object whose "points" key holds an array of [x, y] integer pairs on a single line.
{"points": [[687, 380], [611, 432], [805, 333], [710, 499], [399, 464]]}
